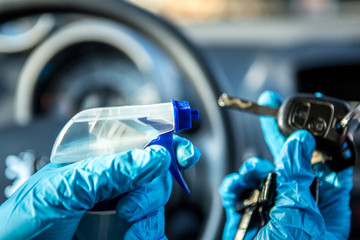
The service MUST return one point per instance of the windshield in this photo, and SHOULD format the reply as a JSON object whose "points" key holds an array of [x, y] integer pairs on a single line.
{"points": [[199, 11]]}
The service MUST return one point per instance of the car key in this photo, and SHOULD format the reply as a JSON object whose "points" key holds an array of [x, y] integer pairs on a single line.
{"points": [[320, 116], [256, 208]]}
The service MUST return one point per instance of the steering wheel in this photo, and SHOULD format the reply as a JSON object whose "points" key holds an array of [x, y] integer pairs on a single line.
{"points": [[213, 138]]}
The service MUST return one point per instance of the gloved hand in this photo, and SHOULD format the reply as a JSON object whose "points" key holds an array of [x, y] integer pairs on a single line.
{"points": [[52, 202], [295, 214], [335, 188]]}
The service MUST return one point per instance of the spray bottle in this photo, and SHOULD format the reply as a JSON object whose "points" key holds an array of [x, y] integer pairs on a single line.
{"points": [[100, 131]]}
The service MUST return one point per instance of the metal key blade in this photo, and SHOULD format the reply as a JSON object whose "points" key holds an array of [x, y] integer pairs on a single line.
{"points": [[248, 106], [244, 223]]}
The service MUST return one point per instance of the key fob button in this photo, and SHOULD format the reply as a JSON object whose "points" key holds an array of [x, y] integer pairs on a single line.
{"points": [[299, 121], [300, 115], [317, 126]]}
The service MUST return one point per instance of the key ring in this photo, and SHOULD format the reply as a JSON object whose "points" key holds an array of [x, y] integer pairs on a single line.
{"points": [[346, 120]]}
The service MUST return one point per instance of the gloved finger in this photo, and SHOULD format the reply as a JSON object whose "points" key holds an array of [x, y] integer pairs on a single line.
{"points": [[295, 214], [335, 188], [334, 185], [143, 201], [96, 179], [151, 227], [319, 94], [294, 162], [251, 173], [186, 153], [273, 138]]}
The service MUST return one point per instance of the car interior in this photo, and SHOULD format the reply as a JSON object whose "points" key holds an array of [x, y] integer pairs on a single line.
{"points": [[60, 57]]}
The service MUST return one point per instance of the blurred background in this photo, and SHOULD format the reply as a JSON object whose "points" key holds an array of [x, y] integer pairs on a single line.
{"points": [[55, 64], [200, 11]]}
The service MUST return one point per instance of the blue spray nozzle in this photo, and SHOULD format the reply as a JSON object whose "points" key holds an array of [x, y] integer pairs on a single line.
{"points": [[195, 114], [183, 115]]}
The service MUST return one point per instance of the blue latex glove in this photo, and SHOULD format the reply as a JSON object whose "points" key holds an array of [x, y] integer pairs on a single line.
{"points": [[52, 202], [295, 214]]}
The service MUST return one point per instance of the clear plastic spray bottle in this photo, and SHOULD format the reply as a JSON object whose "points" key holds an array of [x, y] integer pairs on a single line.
{"points": [[100, 131]]}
